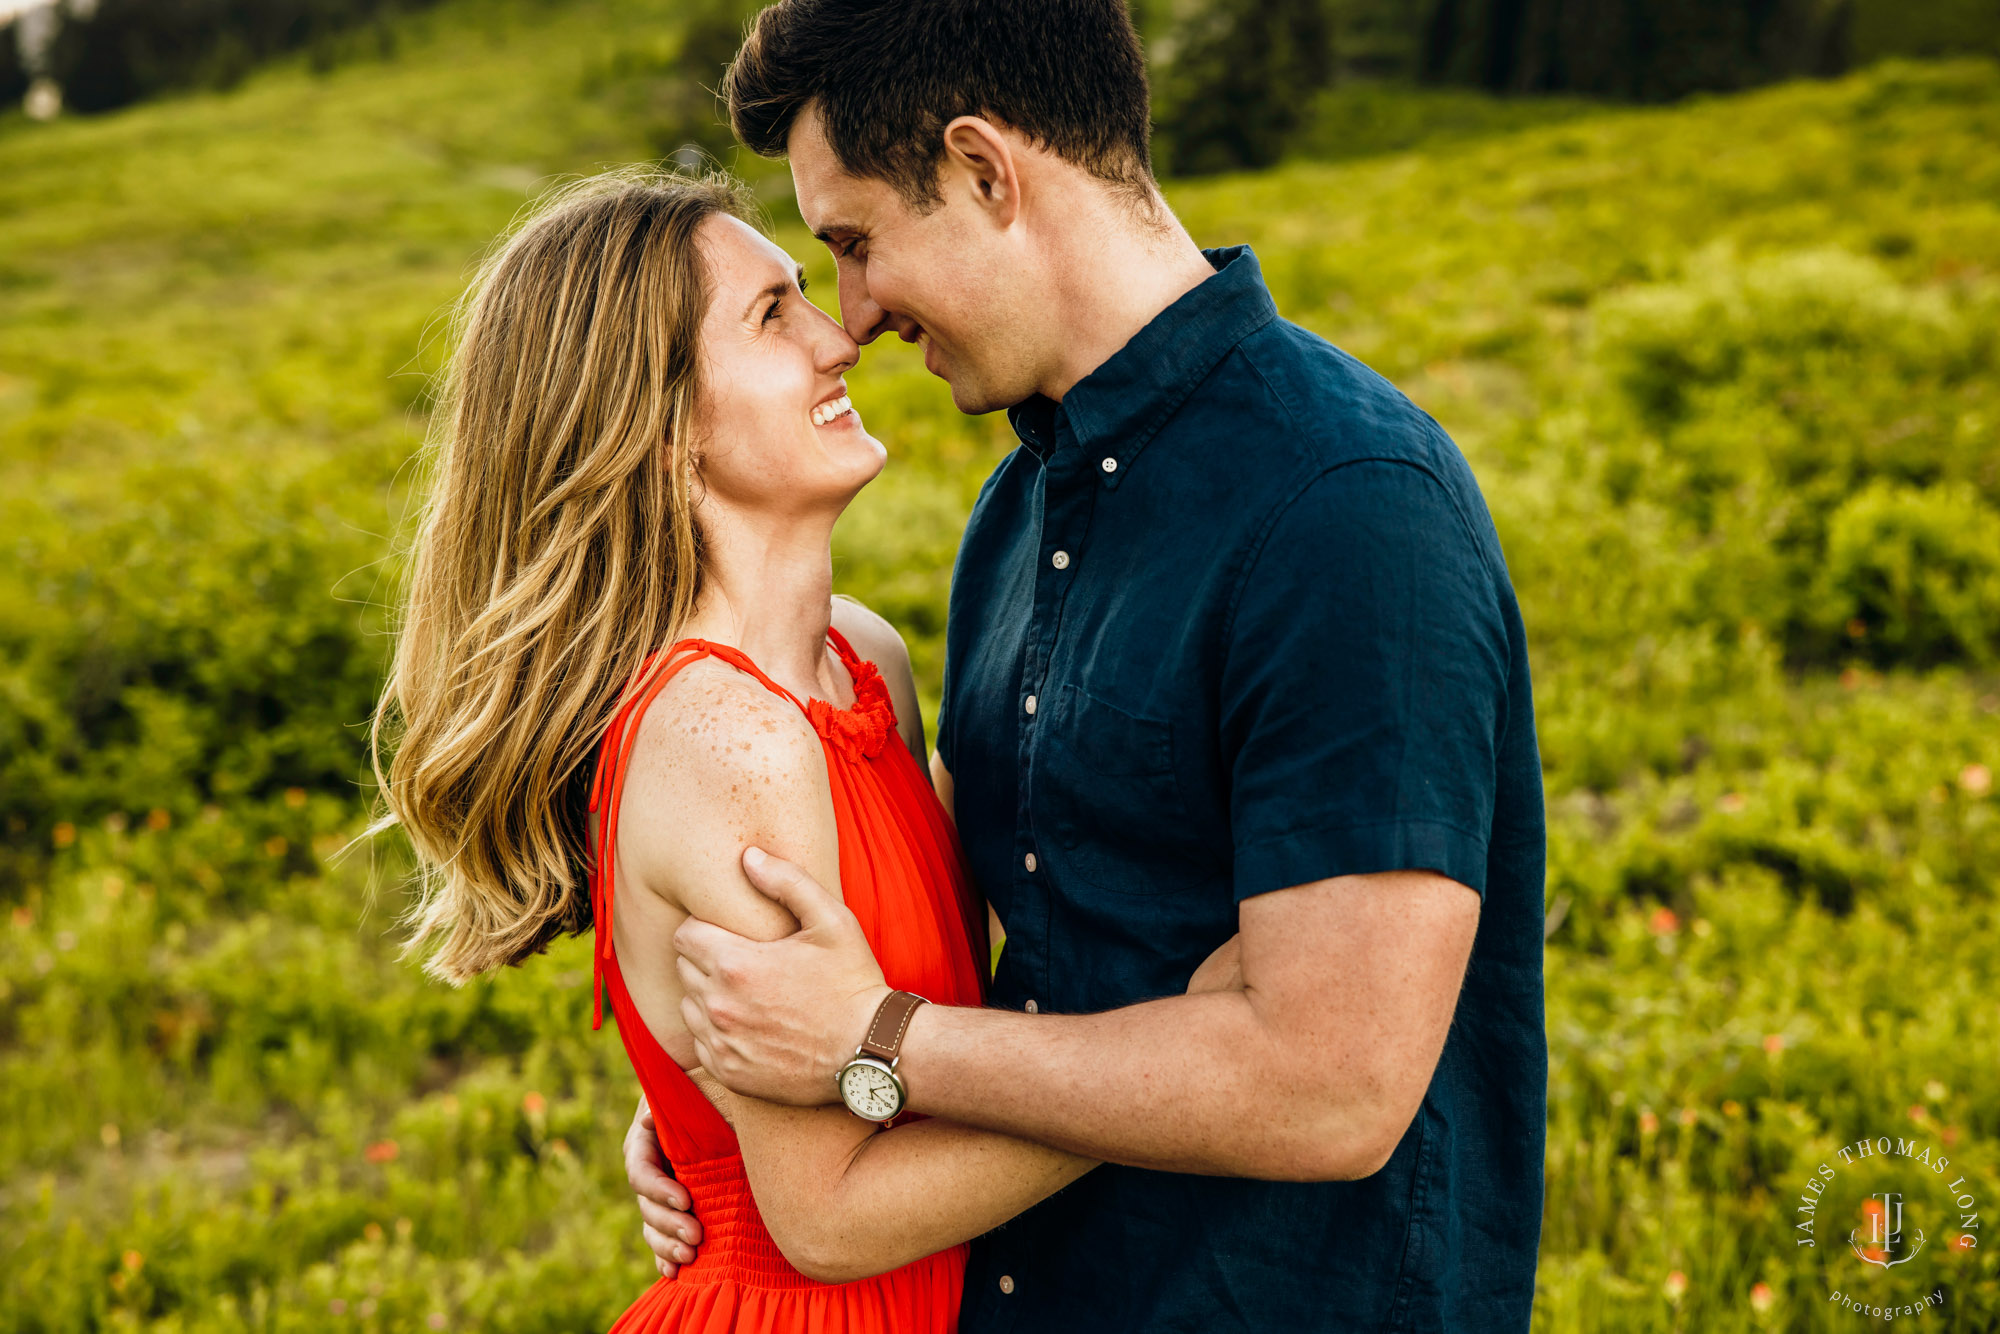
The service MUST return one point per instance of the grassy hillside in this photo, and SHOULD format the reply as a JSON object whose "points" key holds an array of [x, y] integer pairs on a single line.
{"points": [[1728, 373]]}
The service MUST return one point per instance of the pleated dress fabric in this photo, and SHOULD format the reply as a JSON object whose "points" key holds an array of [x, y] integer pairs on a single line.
{"points": [[903, 877]]}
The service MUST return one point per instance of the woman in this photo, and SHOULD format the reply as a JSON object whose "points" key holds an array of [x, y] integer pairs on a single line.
{"points": [[621, 601]]}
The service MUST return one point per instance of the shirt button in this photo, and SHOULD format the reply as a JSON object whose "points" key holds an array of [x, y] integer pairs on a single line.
{"points": [[1032, 1008], [1007, 1284], [1060, 560], [1031, 706], [1030, 862], [1109, 465]]}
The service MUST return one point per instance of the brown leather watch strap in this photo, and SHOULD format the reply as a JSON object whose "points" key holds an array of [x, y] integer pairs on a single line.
{"points": [[892, 1019]]}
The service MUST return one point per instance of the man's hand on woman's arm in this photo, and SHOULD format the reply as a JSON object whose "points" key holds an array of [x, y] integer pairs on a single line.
{"points": [[671, 1232]]}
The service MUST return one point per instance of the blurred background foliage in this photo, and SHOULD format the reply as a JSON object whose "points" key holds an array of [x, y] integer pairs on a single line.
{"points": [[1728, 371], [1235, 80]]}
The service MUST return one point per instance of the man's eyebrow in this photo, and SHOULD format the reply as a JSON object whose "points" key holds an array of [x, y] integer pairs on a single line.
{"points": [[778, 289]]}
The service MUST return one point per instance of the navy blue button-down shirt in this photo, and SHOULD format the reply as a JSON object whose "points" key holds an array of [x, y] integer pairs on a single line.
{"points": [[1232, 619]]}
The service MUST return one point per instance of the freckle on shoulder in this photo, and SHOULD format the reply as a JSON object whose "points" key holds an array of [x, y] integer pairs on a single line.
{"points": [[712, 717]]}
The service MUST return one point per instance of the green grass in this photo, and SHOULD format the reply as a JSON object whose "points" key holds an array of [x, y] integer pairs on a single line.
{"points": [[1727, 372]]}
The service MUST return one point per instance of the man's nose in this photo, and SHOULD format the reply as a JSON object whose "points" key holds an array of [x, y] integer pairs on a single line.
{"points": [[863, 318], [859, 314]]}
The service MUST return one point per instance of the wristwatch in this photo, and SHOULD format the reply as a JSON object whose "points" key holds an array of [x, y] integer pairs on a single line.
{"points": [[869, 1084]]}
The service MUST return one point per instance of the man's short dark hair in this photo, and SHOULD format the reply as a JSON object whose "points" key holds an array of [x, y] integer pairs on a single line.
{"points": [[889, 75]]}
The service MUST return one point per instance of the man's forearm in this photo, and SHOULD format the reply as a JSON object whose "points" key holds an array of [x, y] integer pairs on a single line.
{"points": [[1196, 1083]]}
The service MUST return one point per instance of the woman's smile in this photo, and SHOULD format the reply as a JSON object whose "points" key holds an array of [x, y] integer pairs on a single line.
{"points": [[836, 411]]}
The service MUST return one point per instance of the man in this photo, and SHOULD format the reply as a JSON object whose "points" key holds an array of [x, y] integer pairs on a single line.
{"points": [[1232, 649]]}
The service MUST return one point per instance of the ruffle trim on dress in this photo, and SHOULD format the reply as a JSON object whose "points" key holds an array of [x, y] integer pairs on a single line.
{"points": [[859, 732]]}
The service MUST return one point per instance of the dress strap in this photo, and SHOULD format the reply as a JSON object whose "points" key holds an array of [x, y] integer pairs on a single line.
{"points": [[843, 650], [741, 662]]}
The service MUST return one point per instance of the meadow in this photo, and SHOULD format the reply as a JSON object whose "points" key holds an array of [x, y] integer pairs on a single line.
{"points": [[1728, 371]]}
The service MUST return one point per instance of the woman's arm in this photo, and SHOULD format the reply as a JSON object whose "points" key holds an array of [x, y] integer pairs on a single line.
{"points": [[721, 763]]}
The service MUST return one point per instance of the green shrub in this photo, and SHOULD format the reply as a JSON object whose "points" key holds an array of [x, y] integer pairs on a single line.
{"points": [[1913, 574], [180, 636], [1772, 408]]}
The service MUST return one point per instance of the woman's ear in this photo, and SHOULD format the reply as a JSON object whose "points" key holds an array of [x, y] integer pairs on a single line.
{"points": [[687, 419]]}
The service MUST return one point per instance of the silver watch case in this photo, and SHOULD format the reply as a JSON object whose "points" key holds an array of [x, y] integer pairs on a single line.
{"points": [[868, 1084]]}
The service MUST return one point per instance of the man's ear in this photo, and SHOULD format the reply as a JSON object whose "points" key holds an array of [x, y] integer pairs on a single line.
{"points": [[979, 160]]}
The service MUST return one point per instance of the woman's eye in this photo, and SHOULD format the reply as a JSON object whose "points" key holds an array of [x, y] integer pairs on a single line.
{"points": [[772, 313]]}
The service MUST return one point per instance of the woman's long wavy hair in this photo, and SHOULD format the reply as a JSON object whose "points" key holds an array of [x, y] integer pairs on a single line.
{"points": [[558, 549]]}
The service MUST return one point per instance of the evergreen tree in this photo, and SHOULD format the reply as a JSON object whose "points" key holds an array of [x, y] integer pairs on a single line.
{"points": [[1237, 82], [1636, 50], [119, 51], [13, 74]]}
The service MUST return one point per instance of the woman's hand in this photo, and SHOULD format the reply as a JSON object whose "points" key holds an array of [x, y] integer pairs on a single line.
{"points": [[670, 1230], [1222, 970]]}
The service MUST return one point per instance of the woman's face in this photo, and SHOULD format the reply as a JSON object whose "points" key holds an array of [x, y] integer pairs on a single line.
{"points": [[775, 431]]}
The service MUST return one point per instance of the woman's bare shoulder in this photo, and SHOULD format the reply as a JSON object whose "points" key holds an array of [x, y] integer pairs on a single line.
{"points": [[873, 637], [879, 642], [715, 725], [720, 762]]}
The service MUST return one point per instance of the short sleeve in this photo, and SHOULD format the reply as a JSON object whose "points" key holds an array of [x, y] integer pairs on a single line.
{"points": [[1365, 686]]}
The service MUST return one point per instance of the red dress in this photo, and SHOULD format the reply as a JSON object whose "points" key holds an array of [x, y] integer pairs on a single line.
{"points": [[902, 875]]}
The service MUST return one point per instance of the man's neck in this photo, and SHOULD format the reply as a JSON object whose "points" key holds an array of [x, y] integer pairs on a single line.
{"points": [[1115, 272]]}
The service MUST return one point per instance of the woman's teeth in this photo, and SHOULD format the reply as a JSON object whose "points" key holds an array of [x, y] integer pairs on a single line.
{"points": [[826, 412]]}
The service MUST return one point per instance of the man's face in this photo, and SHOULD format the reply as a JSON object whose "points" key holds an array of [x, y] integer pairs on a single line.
{"points": [[950, 279]]}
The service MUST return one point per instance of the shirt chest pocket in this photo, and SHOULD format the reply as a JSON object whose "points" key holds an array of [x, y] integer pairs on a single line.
{"points": [[1107, 785]]}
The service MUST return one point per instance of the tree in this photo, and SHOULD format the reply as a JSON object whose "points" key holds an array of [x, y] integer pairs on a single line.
{"points": [[115, 52], [1236, 80], [13, 71], [1635, 50]]}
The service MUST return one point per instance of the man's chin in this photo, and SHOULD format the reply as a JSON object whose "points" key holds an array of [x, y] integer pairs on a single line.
{"points": [[974, 400], [969, 394]]}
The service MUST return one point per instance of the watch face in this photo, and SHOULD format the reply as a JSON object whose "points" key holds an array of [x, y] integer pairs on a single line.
{"points": [[870, 1091]]}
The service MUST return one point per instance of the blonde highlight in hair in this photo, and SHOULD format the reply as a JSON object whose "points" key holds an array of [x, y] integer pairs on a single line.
{"points": [[557, 549]]}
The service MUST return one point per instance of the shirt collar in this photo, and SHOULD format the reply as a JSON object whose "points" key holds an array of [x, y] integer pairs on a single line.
{"points": [[1118, 408]]}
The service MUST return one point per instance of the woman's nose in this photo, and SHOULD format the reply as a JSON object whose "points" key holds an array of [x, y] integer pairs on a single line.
{"points": [[838, 351]]}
